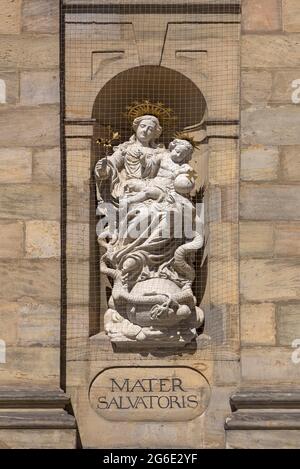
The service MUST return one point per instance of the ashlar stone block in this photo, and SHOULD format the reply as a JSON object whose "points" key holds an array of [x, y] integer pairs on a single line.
{"points": [[288, 324], [10, 17], [258, 324], [290, 163], [40, 16], [15, 165], [256, 239], [259, 163], [291, 15], [270, 202], [287, 239], [261, 15], [12, 239], [42, 239], [39, 88], [274, 280]]}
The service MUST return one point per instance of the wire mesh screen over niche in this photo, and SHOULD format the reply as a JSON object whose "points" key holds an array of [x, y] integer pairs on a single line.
{"points": [[185, 57]]}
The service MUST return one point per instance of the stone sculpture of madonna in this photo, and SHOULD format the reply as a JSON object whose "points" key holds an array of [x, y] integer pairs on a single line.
{"points": [[150, 231]]}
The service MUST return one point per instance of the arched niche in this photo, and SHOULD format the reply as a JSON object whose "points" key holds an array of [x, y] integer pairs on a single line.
{"points": [[157, 84]]}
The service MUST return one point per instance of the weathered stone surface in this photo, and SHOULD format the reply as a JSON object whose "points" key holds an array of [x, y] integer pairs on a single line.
{"points": [[291, 15], [256, 86], [213, 431], [223, 277], [15, 165], [40, 16], [78, 273], [269, 280], [256, 239], [78, 235], [269, 365], [32, 127], [270, 202], [9, 321], [42, 239], [29, 202], [12, 239], [226, 373], [29, 52], [287, 239], [27, 323], [27, 365], [38, 324], [261, 15], [79, 205], [46, 165], [263, 439], [3, 445], [290, 163], [270, 51], [11, 80], [229, 202], [222, 240], [288, 324], [39, 88], [258, 324], [39, 439], [39, 279], [283, 91], [265, 126], [24, 201], [259, 163], [215, 204], [78, 168], [10, 17], [78, 325], [219, 173]]}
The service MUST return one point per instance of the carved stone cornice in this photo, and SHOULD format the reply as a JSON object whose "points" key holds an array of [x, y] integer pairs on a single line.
{"points": [[264, 409], [34, 408]]}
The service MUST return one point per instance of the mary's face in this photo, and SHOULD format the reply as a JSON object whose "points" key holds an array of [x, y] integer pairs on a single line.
{"points": [[146, 131]]}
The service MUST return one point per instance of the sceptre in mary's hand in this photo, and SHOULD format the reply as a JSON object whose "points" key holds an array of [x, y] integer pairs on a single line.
{"points": [[107, 143]]}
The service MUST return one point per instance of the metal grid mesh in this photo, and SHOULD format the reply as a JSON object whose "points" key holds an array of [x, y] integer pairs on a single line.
{"points": [[185, 55]]}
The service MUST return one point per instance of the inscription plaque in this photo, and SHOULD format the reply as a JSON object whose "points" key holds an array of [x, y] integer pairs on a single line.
{"points": [[149, 393]]}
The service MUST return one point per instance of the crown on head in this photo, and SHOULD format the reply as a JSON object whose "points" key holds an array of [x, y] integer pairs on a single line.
{"points": [[187, 137], [164, 114]]}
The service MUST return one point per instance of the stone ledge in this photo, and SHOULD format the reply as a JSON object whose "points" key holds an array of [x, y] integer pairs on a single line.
{"points": [[34, 408], [32, 398], [265, 399], [265, 409], [247, 420], [33, 419]]}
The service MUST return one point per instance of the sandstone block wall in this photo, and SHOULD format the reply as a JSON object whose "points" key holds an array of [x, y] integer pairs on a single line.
{"points": [[30, 192], [269, 192]]}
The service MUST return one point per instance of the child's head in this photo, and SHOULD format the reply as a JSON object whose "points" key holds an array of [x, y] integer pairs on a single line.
{"points": [[181, 151]]}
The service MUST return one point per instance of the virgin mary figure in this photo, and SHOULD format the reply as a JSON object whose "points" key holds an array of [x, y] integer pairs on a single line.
{"points": [[143, 191]]}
